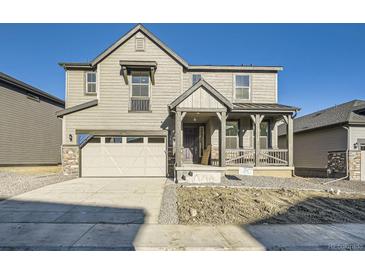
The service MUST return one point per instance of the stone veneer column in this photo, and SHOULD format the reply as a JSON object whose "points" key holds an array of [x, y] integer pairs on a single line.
{"points": [[71, 160], [355, 165]]}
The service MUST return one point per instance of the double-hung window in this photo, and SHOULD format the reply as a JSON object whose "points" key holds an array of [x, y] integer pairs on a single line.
{"points": [[242, 87], [140, 94], [232, 134], [91, 82]]}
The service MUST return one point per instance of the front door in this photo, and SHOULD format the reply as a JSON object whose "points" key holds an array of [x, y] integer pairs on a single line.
{"points": [[191, 144]]}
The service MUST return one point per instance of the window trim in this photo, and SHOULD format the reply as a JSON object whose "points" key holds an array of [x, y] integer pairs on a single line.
{"points": [[86, 83], [238, 133], [249, 87], [142, 97], [192, 78]]}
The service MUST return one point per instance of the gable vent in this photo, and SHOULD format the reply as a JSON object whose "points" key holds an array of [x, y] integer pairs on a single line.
{"points": [[140, 44]]}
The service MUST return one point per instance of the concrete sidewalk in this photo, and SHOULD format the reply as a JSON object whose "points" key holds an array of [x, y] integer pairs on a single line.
{"points": [[52, 236]]}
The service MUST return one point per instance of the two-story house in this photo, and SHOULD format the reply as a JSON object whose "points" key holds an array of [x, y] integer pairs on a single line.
{"points": [[139, 109]]}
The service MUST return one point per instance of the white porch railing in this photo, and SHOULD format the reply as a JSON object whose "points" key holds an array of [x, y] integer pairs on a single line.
{"points": [[273, 157], [240, 157], [267, 157]]}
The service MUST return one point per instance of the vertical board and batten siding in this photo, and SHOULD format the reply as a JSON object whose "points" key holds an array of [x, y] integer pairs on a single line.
{"points": [[263, 84], [201, 99], [356, 132], [30, 132], [311, 148], [112, 110]]}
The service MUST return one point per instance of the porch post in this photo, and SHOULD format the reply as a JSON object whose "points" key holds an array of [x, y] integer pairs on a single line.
{"points": [[290, 140], [257, 139], [222, 154], [178, 157]]}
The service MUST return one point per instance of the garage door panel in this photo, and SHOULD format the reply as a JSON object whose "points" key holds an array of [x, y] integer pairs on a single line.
{"points": [[123, 159]]}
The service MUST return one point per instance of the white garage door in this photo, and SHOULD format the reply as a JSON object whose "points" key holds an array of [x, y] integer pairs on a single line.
{"points": [[124, 156]]}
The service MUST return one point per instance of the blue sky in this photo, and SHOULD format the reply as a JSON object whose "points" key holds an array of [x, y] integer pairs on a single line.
{"points": [[324, 64]]}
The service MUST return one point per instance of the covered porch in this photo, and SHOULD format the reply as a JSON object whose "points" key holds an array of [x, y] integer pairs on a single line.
{"points": [[213, 135]]}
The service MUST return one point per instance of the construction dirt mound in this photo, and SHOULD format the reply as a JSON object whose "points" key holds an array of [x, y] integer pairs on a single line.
{"points": [[218, 205]]}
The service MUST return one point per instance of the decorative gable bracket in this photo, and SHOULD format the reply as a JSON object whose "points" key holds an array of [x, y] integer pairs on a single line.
{"points": [[127, 66]]}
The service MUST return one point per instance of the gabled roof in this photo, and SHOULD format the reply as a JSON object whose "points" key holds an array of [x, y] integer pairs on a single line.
{"points": [[132, 32], [10, 80], [150, 35], [208, 87], [347, 113]]}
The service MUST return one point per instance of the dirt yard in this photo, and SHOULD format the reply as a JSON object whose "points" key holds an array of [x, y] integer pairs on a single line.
{"points": [[207, 205]]}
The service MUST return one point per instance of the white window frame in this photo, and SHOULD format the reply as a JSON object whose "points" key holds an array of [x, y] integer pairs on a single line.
{"points": [[142, 97], [87, 82], [249, 87]]}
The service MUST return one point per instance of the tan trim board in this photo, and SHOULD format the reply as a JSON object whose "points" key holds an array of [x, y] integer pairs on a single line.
{"points": [[77, 108]]}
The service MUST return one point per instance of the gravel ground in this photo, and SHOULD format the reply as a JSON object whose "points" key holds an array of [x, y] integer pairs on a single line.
{"points": [[291, 183], [168, 211], [12, 184]]}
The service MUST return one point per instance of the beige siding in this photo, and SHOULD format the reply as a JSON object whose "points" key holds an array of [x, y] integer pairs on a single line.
{"points": [[30, 132], [112, 111], [356, 132], [310, 148], [263, 84], [75, 88], [201, 99]]}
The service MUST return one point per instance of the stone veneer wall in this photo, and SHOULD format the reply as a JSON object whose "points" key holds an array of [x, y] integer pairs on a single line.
{"points": [[355, 165], [71, 160], [337, 164]]}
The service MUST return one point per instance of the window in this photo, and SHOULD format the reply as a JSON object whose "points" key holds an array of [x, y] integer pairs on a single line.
{"points": [[264, 135], [113, 140], [140, 100], [196, 78], [242, 87], [91, 82], [232, 135], [134, 140], [156, 140]]}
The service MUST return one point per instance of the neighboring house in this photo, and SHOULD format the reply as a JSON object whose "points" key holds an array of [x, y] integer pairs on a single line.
{"points": [[144, 111], [30, 132], [324, 136]]}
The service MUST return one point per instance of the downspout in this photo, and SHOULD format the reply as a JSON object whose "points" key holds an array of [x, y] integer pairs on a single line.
{"points": [[347, 160]]}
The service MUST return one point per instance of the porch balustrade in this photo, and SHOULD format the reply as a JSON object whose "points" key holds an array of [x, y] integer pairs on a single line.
{"points": [[247, 157]]}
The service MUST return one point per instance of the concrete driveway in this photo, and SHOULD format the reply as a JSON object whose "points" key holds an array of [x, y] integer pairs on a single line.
{"points": [[58, 216]]}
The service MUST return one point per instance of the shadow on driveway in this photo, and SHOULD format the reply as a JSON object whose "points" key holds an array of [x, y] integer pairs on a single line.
{"points": [[32, 225]]}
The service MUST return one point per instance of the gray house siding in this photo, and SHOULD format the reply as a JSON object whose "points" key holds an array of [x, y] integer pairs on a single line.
{"points": [[311, 149], [30, 132], [355, 133]]}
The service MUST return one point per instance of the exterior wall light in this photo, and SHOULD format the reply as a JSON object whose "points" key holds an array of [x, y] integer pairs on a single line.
{"points": [[70, 137]]}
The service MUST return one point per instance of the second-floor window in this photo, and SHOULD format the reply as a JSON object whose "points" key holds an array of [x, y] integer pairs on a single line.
{"points": [[196, 78], [140, 95], [91, 82], [242, 87]]}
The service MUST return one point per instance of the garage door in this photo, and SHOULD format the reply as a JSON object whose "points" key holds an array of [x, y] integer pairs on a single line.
{"points": [[118, 156]]}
